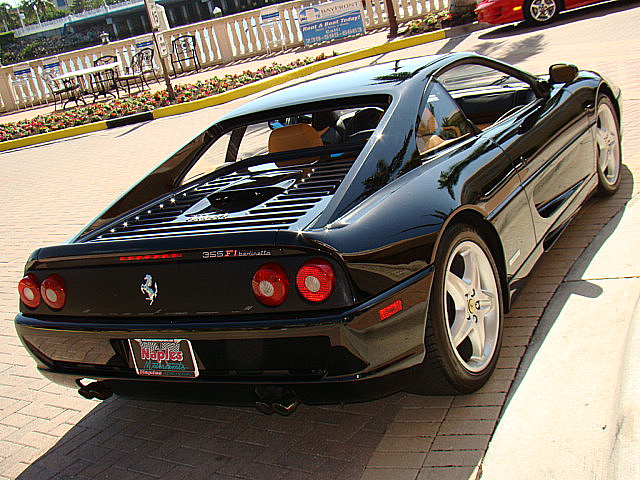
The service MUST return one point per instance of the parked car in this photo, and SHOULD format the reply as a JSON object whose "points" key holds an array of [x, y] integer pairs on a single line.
{"points": [[535, 12], [336, 240]]}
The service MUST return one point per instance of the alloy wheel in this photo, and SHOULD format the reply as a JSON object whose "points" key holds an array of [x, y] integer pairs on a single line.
{"points": [[472, 308], [608, 145], [543, 10]]}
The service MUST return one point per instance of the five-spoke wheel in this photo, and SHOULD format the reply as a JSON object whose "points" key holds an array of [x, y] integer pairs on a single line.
{"points": [[472, 310], [464, 324], [607, 147], [540, 11]]}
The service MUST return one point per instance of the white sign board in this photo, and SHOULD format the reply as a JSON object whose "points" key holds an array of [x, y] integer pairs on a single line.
{"points": [[154, 16], [327, 21], [162, 45]]}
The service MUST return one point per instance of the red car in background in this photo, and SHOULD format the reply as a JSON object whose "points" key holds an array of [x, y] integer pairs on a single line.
{"points": [[534, 12]]}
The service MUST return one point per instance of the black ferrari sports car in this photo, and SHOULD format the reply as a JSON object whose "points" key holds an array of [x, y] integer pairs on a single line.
{"points": [[335, 240]]}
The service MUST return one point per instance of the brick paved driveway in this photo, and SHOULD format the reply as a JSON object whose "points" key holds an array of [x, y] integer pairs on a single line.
{"points": [[50, 191]]}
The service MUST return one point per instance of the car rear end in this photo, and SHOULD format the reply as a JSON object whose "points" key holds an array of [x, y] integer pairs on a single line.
{"points": [[215, 285], [229, 315]]}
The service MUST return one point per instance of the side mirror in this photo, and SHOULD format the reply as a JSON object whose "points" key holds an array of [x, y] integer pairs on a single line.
{"points": [[562, 73]]}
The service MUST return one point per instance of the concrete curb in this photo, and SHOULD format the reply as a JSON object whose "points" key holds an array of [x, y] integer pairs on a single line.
{"points": [[625, 456], [245, 90], [50, 136]]}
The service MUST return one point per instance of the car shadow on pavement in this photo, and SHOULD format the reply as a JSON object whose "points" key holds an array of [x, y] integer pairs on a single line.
{"points": [[129, 439], [507, 51], [570, 16]]}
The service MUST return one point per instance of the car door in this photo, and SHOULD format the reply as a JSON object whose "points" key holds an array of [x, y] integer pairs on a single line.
{"points": [[484, 95], [547, 138], [552, 147], [569, 4]]}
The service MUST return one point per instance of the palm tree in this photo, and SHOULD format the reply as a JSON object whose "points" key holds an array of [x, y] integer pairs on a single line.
{"points": [[41, 7]]}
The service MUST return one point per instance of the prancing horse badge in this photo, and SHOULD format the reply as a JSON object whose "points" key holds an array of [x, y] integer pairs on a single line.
{"points": [[149, 288]]}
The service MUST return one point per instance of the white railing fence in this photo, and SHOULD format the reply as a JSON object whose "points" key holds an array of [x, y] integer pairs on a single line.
{"points": [[219, 41]]}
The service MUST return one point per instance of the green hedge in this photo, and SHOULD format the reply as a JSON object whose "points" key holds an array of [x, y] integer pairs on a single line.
{"points": [[6, 37]]}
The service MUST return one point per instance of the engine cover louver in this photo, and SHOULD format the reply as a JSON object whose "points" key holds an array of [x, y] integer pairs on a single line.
{"points": [[267, 199]]}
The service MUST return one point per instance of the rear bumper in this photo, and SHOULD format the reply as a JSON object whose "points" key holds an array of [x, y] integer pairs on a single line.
{"points": [[347, 355]]}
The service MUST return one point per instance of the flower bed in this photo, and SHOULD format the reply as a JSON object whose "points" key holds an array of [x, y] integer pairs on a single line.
{"points": [[142, 101], [433, 21], [439, 20]]}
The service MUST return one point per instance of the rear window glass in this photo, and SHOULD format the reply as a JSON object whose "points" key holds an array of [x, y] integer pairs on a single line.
{"points": [[308, 133]]}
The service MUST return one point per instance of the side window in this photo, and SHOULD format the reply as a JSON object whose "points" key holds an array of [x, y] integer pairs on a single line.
{"points": [[486, 95], [440, 120], [471, 75]]}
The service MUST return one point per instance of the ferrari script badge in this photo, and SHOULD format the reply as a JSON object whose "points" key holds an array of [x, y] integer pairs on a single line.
{"points": [[149, 288]]}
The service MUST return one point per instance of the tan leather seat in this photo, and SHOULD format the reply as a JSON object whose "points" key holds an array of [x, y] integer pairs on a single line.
{"points": [[426, 137], [294, 137]]}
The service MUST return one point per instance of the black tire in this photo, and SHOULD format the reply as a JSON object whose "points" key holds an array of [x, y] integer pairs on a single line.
{"points": [[540, 12], [608, 147], [449, 369]]}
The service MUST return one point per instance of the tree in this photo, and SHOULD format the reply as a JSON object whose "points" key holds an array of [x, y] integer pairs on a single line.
{"points": [[41, 7], [460, 7], [77, 6], [7, 17]]}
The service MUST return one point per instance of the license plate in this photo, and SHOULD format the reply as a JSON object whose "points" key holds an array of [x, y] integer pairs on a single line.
{"points": [[162, 357]]}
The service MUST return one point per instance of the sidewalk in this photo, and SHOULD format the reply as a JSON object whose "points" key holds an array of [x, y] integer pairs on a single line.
{"points": [[573, 411]]}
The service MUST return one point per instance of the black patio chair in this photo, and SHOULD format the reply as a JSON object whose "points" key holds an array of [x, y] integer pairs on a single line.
{"points": [[103, 83], [183, 51], [60, 89], [141, 65], [104, 60]]}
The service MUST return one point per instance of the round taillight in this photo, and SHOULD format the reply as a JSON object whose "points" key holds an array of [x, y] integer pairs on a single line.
{"points": [[29, 290], [270, 284], [315, 280], [53, 293]]}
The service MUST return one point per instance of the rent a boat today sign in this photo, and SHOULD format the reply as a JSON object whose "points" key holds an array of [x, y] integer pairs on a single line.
{"points": [[327, 21]]}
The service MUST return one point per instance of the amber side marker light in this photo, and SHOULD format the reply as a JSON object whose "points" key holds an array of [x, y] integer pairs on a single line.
{"points": [[315, 280], [53, 292], [270, 284], [389, 310], [29, 289]]}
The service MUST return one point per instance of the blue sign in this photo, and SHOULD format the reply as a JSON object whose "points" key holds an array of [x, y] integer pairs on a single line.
{"points": [[148, 43], [328, 21]]}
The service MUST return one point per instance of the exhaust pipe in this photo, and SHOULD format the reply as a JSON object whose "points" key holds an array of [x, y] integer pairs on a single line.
{"points": [[276, 399], [94, 389]]}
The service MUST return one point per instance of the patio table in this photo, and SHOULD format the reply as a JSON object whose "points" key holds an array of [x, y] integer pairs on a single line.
{"points": [[96, 82]]}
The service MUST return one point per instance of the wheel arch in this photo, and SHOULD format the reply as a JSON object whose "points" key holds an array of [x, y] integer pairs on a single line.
{"points": [[605, 89], [489, 234]]}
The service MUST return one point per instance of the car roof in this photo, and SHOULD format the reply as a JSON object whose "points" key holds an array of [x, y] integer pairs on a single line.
{"points": [[379, 79]]}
